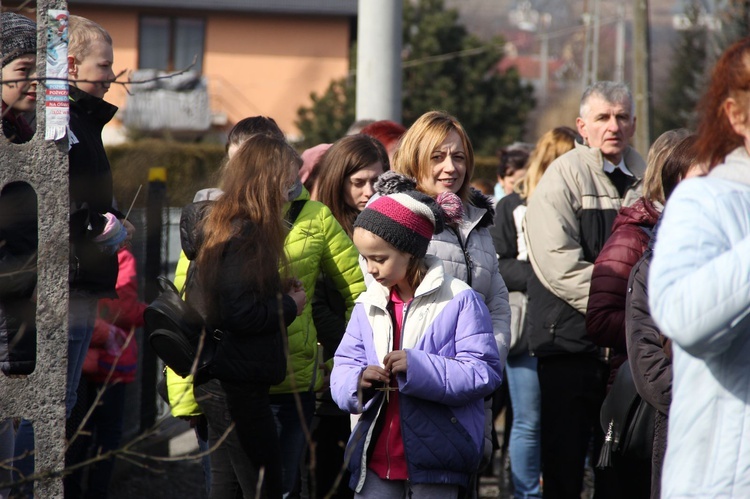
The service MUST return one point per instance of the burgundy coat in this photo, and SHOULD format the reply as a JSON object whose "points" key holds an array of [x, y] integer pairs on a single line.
{"points": [[605, 314]]}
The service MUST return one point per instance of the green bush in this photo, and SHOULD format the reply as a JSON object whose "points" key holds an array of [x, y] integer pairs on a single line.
{"points": [[189, 167]]}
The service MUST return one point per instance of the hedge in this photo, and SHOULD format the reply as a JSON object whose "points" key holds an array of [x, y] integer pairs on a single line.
{"points": [[190, 167]]}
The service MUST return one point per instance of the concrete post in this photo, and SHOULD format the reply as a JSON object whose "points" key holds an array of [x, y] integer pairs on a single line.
{"points": [[379, 60], [40, 397]]}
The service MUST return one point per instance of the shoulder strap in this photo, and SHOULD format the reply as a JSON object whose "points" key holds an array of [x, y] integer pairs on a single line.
{"points": [[648, 230], [294, 210], [188, 278]]}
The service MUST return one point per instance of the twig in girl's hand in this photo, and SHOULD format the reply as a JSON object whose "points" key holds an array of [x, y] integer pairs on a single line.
{"points": [[133, 203]]}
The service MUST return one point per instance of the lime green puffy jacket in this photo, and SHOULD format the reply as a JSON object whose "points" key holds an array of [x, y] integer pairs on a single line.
{"points": [[180, 390], [316, 243]]}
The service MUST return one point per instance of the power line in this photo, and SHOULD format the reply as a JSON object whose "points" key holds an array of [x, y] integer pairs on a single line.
{"points": [[484, 48]]}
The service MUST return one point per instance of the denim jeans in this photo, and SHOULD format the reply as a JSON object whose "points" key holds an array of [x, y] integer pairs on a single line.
{"points": [[203, 448], [377, 488], [289, 424], [526, 432], [81, 318], [252, 445]]}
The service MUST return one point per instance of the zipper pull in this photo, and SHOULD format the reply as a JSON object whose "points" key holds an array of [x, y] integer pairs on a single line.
{"points": [[469, 261]]}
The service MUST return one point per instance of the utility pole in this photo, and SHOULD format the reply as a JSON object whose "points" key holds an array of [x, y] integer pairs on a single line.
{"points": [[379, 60], [620, 44], [586, 48], [591, 22], [545, 20], [595, 46], [641, 76]]}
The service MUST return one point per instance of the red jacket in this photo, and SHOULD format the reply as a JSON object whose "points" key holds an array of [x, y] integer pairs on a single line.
{"points": [[112, 331], [605, 314]]}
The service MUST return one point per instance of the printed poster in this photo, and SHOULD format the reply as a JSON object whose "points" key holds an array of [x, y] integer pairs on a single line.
{"points": [[56, 83]]}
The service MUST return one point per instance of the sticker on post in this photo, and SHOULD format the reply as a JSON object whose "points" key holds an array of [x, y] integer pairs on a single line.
{"points": [[56, 103]]}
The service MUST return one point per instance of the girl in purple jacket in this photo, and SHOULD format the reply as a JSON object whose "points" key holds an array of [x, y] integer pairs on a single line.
{"points": [[417, 359]]}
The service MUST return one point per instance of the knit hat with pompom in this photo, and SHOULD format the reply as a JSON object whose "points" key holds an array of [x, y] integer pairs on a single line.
{"points": [[408, 219]]}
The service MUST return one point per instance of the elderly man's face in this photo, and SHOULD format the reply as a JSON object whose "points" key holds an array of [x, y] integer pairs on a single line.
{"points": [[607, 126]]}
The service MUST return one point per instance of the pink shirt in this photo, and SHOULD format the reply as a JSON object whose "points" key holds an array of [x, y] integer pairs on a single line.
{"points": [[388, 458]]}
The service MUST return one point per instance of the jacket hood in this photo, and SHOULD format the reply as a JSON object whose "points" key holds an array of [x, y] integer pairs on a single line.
{"points": [[642, 212], [191, 237], [736, 167], [482, 202], [210, 194]]}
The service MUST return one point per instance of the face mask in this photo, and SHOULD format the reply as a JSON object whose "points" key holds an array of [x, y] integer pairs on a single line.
{"points": [[295, 190]]}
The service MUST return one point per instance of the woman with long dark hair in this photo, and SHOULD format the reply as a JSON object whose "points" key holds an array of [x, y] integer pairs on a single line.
{"points": [[344, 179], [345, 176], [239, 247]]}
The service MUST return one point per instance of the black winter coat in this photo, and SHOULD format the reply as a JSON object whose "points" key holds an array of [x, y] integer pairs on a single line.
{"points": [[650, 361], [515, 272], [18, 250], [252, 348], [90, 195]]}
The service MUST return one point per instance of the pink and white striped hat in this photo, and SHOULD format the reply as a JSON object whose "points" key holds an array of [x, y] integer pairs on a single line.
{"points": [[407, 219]]}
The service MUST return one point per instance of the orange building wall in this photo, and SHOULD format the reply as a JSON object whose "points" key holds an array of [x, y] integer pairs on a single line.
{"points": [[254, 64]]}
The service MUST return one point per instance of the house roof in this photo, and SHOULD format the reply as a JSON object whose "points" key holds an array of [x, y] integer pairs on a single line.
{"points": [[529, 66], [320, 7]]}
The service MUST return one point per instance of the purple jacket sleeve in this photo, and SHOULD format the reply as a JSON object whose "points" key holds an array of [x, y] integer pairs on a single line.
{"points": [[349, 362], [459, 371]]}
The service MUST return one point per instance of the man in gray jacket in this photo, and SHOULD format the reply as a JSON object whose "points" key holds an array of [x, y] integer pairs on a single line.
{"points": [[568, 220]]}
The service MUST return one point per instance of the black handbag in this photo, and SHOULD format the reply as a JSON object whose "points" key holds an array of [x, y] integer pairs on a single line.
{"points": [[176, 332], [627, 421]]}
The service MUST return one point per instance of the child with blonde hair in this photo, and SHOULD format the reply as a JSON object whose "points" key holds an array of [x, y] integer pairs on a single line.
{"points": [[97, 228]]}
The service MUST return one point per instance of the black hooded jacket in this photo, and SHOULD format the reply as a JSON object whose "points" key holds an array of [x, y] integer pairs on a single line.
{"points": [[252, 348], [90, 195]]}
